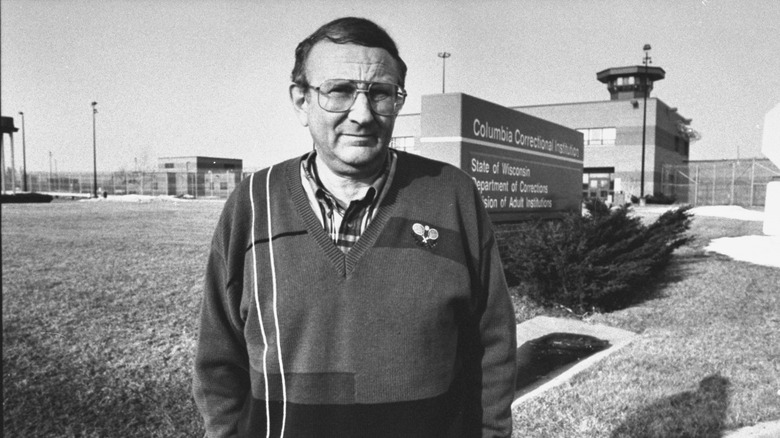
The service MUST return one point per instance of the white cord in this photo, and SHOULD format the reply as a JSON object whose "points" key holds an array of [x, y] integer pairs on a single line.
{"points": [[276, 315], [259, 315]]}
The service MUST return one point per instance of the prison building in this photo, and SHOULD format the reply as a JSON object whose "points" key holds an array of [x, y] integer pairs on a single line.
{"points": [[199, 177]]}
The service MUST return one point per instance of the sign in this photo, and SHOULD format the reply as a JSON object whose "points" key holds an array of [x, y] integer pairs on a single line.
{"points": [[522, 166], [770, 141]]}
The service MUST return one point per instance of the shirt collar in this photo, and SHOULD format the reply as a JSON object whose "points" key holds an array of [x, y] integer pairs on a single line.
{"points": [[323, 195]]}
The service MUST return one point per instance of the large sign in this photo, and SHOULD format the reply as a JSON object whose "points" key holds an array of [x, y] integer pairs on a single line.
{"points": [[770, 141], [523, 166]]}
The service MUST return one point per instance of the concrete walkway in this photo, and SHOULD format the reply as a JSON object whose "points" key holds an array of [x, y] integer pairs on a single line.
{"points": [[769, 429]]}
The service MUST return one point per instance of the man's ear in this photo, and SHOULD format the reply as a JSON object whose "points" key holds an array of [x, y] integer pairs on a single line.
{"points": [[300, 103]]}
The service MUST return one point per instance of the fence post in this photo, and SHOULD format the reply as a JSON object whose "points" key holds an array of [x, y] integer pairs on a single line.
{"points": [[227, 183], [696, 188], [752, 178], [714, 179], [733, 175]]}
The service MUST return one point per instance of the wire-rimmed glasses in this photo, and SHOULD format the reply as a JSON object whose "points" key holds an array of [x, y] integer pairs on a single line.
{"points": [[338, 96]]}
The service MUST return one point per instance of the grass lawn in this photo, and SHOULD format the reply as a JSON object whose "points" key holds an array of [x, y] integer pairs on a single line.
{"points": [[100, 305], [707, 360]]}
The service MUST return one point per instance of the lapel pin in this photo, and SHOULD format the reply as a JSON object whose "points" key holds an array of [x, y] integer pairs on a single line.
{"points": [[425, 235]]}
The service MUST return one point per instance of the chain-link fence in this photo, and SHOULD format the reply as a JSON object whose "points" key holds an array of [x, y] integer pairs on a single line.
{"points": [[154, 183], [730, 182], [737, 182]]}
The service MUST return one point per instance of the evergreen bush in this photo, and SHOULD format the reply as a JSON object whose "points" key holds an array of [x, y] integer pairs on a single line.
{"points": [[660, 198], [604, 259]]}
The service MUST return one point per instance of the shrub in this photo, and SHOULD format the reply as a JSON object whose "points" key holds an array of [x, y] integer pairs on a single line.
{"points": [[656, 198], [660, 198], [601, 260]]}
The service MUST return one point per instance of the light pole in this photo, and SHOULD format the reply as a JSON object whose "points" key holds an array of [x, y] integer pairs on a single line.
{"points": [[24, 157], [443, 56], [647, 60], [50, 174], [94, 152]]}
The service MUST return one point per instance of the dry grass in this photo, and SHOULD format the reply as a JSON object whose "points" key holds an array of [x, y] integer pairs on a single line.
{"points": [[99, 317], [100, 304]]}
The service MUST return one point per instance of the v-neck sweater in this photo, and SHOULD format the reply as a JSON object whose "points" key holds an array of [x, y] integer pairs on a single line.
{"points": [[410, 333]]}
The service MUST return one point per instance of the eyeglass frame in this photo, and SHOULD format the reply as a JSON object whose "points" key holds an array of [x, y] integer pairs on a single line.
{"points": [[401, 93]]}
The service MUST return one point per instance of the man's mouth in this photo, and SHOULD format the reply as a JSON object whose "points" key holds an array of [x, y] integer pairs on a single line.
{"points": [[360, 139]]}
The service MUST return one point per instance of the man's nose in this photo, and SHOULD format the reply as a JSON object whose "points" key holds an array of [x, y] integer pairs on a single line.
{"points": [[361, 110]]}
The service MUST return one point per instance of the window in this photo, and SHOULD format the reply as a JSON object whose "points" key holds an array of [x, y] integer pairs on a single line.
{"points": [[595, 136], [169, 165], [402, 143], [598, 136], [608, 136], [585, 136], [598, 182]]}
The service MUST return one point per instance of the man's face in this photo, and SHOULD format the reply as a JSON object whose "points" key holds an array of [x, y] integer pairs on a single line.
{"points": [[353, 143]]}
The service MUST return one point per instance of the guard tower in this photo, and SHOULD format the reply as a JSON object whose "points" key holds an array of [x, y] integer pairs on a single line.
{"points": [[7, 127], [632, 82]]}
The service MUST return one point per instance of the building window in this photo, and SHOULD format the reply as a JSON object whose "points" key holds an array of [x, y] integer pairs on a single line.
{"points": [[598, 183], [598, 136], [608, 135], [169, 165], [402, 143]]}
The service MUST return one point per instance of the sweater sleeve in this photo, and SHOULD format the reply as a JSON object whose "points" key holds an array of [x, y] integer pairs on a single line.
{"points": [[221, 381]]}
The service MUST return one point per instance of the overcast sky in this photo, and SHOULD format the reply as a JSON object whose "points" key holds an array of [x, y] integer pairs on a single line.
{"points": [[204, 77]]}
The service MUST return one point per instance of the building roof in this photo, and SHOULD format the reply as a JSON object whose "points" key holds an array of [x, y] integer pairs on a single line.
{"points": [[7, 125], [654, 73]]}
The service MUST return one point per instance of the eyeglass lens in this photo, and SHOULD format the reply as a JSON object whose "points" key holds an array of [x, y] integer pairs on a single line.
{"points": [[340, 95]]}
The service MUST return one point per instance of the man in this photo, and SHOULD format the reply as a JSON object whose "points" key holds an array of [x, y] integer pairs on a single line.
{"points": [[355, 291]]}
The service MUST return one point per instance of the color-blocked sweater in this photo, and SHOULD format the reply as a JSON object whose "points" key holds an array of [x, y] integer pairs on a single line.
{"points": [[411, 333]]}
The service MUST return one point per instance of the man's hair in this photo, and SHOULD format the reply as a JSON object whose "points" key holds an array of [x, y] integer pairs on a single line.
{"points": [[347, 30]]}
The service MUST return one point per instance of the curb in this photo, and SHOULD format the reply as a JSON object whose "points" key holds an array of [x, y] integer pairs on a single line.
{"points": [[769, 429]]}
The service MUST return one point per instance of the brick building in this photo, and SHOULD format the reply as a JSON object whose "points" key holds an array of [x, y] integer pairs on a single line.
{"points": [[199, 176], [612, 133]]}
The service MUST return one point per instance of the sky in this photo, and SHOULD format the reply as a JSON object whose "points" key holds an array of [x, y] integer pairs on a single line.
{"points": [[207, 77]]}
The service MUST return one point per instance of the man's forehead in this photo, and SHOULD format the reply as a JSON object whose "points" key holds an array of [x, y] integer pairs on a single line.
{"points": [[331, 60]]}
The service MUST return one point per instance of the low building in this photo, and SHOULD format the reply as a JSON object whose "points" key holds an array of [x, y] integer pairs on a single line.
{"points": [[199, 177]]}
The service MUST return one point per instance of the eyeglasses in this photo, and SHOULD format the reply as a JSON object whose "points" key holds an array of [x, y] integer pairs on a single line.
{"points": [[338, 96]]}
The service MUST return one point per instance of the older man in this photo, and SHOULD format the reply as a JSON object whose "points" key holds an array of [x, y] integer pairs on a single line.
{"points": [[355, 291]]}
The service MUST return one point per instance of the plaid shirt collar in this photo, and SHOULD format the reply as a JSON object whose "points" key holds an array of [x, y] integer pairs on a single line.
{"points": [[344, 225]]}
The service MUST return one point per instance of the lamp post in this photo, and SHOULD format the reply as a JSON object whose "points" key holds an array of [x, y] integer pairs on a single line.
{"points": [[50, 174], [646, 60], [24, 157], [443, 56], [94, 152]]}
